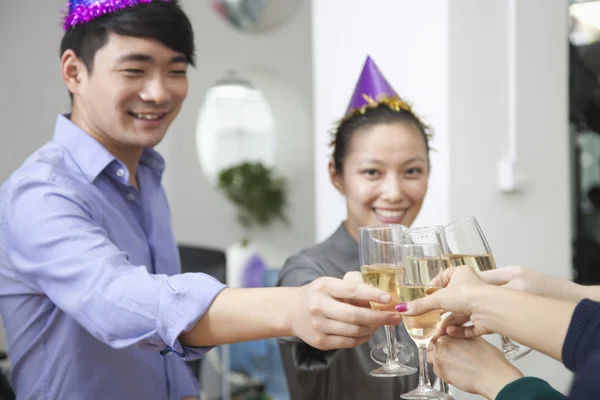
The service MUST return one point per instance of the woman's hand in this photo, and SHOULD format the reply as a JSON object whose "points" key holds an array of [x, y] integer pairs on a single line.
{"points": [[472, 365], [462, 287]]}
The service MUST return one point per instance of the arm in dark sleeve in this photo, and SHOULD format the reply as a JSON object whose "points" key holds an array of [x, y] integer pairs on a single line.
{"points": [[586, 384], [529, 388], [583, 336]]}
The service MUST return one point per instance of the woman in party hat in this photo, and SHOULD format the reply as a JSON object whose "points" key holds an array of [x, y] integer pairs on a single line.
{"points": [[380, 163]]}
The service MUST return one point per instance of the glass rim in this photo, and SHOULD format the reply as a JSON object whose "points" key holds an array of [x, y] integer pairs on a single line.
{"points": [[426, 228], [459, 223], [367, 232], [380, 227]]}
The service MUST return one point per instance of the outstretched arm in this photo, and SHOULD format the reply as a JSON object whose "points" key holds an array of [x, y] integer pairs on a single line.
{"points": [[312, 312], [517, 277], [538, 322]]}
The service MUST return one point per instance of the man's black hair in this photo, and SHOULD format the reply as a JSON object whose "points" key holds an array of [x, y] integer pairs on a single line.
{"points": [[164, 21]]}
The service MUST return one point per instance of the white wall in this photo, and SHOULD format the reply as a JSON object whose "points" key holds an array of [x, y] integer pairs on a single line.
{"points": [[31, 92]]}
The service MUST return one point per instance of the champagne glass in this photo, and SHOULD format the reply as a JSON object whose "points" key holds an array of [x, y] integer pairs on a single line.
{"points": [[377, 255], [428, 235], [423, 235], [467, 245], [421, 264], [405, 353]]}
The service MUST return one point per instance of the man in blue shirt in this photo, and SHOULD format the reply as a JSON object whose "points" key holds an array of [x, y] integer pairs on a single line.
{"points": [[91, 294]]}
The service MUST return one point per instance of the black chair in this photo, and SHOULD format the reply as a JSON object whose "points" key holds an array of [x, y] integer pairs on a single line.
{"points": [[209, 261], [6, 392]]}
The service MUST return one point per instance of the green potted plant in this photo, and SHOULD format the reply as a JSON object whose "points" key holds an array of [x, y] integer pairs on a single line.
{"points": [[258, 194]]}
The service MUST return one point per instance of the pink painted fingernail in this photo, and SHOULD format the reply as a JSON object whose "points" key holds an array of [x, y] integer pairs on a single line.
{"points": [[402, 307]]}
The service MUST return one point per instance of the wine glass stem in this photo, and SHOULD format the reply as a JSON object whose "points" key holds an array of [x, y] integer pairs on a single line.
{"points": [[444, 388], [390, 334], [423, 370], [507, 344]]}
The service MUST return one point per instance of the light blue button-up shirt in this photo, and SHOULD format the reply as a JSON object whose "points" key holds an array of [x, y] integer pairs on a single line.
{"points": [[90, 287]]}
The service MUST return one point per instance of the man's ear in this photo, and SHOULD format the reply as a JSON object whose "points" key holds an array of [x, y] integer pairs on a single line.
{"points": [[72, 70]]}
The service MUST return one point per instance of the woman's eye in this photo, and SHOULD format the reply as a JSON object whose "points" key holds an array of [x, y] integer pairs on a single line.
{"points": [[371, 172], [414, 171]]}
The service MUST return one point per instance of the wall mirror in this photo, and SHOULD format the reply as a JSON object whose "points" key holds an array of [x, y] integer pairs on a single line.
{"points": [[256, 16], [235, 124]]}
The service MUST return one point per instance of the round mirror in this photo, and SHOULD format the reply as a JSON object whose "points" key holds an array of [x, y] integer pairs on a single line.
{"points": [[256, 16], [235, 124]]}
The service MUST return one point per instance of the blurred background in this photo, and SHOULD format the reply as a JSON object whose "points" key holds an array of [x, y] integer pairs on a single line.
{"points": [[511, 88]]}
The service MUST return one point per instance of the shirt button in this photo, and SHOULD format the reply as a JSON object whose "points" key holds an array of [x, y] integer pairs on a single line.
{"points": [[120, 172], [130, 196]]}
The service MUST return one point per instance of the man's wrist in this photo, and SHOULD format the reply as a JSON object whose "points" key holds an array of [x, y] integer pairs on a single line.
{"points": [[288, 300]]}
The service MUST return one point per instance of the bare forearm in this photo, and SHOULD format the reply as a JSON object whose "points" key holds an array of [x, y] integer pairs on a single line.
{"points": [[563, 289], [239, 315], [538, 322], [517, 277]]}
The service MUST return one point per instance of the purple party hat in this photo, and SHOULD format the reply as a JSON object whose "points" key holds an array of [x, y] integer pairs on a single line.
{"points": [[373, 90], [370, 87], [84, 11]]}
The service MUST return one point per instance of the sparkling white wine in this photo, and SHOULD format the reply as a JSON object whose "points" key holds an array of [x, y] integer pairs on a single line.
{"points": [[423, 326], [381, 276], [423, 269], [479, 262]]}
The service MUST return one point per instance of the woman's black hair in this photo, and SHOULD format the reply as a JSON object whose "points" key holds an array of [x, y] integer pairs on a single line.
{"points": [[380, 114]]}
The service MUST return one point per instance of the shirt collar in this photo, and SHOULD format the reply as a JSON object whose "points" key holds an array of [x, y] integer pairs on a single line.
{"points": [[153, 160], [90, 156]]}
